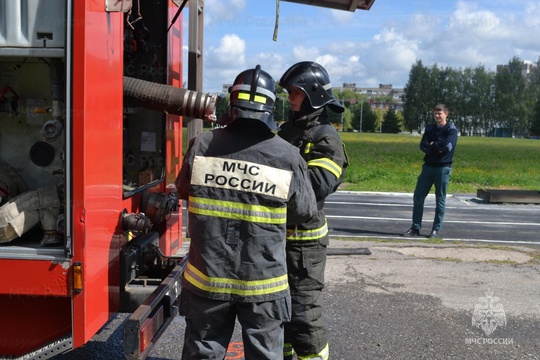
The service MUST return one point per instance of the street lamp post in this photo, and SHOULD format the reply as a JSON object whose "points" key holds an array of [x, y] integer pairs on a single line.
{"points": [[380, 117], [342, 104], [283, 108], [361, 114]]}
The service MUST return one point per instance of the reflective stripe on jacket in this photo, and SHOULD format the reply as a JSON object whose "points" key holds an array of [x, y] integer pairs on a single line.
{"points": [[322, 148], [243, 185]]}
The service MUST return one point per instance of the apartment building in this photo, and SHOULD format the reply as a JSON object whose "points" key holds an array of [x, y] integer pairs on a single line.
{"points": [[377, 94]]}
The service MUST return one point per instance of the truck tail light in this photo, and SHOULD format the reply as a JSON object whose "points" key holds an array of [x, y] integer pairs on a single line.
{"points": [[77, 277], [149, 321], [151, 327]]}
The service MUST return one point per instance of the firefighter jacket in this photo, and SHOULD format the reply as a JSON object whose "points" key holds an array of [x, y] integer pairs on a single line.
{"points": [[321, 147], [242, 183]]}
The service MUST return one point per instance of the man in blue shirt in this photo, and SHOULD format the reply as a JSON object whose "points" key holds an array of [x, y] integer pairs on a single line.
{"points": [[438, 143]]}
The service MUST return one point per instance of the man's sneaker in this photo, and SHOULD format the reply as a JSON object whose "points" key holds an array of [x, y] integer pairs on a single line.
{"points": [[434, 234], [411, 232]]}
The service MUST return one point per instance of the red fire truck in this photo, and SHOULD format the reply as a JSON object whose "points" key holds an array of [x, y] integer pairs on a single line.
{"points": [[91, 106]]}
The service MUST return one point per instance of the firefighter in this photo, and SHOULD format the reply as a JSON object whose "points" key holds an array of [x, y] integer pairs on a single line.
{"points": [[243, 183], [308, 128]]}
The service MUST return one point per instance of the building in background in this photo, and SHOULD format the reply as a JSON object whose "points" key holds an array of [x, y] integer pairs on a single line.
{"points": [[526, 68], [380, 95]]}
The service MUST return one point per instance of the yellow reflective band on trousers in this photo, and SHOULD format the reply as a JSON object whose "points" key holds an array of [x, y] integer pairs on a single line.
{"points": [[307, 235], [237, 211], [288, 349], [323, 355], [327, 164], [234, 286]]}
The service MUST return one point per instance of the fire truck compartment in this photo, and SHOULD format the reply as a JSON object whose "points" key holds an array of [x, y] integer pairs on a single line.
{"points": [[32, 24]]}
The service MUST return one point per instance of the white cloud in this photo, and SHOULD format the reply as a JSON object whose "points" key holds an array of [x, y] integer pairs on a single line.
{"points": [[222, 11], [230, 52], [342, 17], [301, 53], [529, 27], [470, 21], [532, 15], [368, 48], [390, 56], [271, 62], [476, 36], [469, 36], [327, 61], [224, 62]]}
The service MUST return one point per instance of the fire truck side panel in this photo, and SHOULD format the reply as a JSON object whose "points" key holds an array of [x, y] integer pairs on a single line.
{"points": [[97, 163], [35, 278], [36, 296], [171, 241], [33, 321], [107, 155]]}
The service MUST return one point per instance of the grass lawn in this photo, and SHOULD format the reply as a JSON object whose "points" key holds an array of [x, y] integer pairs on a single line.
{"points": [[392, 163]]}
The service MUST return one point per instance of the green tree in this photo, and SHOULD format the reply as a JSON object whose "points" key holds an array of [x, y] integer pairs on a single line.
{"points": [[534, 92], [282, 107], [350, 100], [362, 116], [449, 90], [512, 103], [534, 81], [222, 106], [535, 121], [479, 99], [368, 119], [391, 122], [441, 87], [347, 116], [417, 97], [334, 117]]}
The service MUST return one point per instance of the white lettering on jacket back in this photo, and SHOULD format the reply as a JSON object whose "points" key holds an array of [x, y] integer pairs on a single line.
{"points": [[241, 176]]}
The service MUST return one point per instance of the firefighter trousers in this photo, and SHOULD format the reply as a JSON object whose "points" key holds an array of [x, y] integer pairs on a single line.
{"points": [[210, 325], [306, 334]]}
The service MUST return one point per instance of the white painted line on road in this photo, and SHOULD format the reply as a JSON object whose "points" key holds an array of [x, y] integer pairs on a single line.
{"points": [[421, 238], [364, 218], [446, 221], [493, 207], [367, 204]]}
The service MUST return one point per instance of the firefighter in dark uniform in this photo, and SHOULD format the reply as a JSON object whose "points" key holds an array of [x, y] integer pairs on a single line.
{"points": [[243, 183], [308, 128]]}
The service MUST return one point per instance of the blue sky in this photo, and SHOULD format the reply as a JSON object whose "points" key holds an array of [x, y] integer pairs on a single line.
{"points": [[365, 47]]}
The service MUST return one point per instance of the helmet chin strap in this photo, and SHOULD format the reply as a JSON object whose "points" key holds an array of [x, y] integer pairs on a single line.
{"points": [[306, 107]]}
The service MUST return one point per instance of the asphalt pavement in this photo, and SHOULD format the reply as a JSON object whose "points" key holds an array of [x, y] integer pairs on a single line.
{"points": [[410, 300], [474, 294], [365, 215]]}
